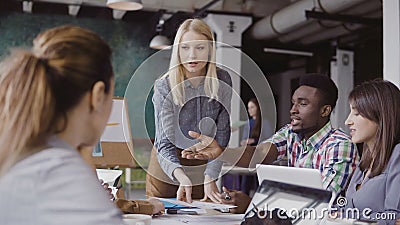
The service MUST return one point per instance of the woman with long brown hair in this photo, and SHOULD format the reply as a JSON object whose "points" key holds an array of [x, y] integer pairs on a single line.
{"points": [[374, 121]]}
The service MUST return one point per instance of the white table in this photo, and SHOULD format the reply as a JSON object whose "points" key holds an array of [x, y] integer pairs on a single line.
{"points": [[219, 219], [222, 219]]}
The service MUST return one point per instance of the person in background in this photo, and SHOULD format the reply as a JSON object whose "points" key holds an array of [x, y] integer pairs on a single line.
{"points": [[374, 121], [252, 138], [54, 100], [256, 123], [309, 141], [193, 95]]}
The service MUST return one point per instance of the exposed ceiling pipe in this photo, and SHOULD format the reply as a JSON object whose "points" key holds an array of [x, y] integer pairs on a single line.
{"points": [[288, 52], [293, 16], [75, 2], [363, 7], [338, 31], [357, 10]]}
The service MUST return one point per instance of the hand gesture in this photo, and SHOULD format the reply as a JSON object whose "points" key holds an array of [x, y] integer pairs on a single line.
{"points": [[206, 149]]}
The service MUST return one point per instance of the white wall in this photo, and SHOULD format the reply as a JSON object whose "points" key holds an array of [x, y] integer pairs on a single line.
{"points": [[342, 73], [391, 41], [281, 85]]}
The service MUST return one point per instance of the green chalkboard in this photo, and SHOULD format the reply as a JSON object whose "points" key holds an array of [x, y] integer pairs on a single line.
{"points": [[128, 40]]}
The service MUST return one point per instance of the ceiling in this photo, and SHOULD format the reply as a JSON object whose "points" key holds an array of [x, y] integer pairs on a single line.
{"points": [[281, 23], [258, 8]]}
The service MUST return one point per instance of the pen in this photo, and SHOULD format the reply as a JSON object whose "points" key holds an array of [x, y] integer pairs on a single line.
{"points": [[179, 211]]}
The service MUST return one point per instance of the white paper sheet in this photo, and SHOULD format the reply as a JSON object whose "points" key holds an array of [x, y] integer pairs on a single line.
{"points": [[108, 176], [117, 129]]}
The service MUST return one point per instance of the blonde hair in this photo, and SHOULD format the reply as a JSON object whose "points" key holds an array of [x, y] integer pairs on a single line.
{"points": [[38, 87], [176, 69]]}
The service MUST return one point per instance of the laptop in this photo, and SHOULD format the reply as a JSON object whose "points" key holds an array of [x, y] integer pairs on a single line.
{"points": [[304, 205], [305, 177]]}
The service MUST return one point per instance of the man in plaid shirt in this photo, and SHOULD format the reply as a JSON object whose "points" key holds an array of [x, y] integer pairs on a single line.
{"points": [[308, 141]]}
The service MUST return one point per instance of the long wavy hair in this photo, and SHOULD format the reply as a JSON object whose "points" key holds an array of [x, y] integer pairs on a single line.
{"points": [[378, 101]]}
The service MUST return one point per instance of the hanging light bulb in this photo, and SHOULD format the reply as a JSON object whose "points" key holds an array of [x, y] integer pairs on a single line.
{"points": [[160, 41], [127, 5]]}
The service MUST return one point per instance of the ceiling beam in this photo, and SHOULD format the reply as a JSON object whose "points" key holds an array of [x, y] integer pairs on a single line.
{"points": [[199, 12]]}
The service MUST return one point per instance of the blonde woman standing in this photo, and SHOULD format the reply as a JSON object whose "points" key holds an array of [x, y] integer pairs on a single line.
{"points": [[193, 95]]}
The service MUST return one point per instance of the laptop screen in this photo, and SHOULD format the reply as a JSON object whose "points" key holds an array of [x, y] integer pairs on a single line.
{"points": [[303, 204], [291, 175]]}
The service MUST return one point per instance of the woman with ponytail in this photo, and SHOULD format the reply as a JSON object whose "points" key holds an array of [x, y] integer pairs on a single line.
{"points": [[54, 100]]}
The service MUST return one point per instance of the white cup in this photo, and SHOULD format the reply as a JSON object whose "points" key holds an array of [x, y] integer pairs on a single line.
{"points": [[136, 219]]}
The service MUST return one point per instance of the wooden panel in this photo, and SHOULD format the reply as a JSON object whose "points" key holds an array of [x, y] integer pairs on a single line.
{"points": [[115, 154]]}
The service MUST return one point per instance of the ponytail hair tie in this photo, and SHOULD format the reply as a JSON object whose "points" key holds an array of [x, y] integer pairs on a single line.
{"points": [[43, 60]]}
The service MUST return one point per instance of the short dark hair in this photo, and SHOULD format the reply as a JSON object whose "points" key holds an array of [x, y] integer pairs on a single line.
{"points": [[324, 84]]}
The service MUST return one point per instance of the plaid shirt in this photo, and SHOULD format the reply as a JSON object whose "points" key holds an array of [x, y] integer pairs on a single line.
{"points": [[329, 150]]}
